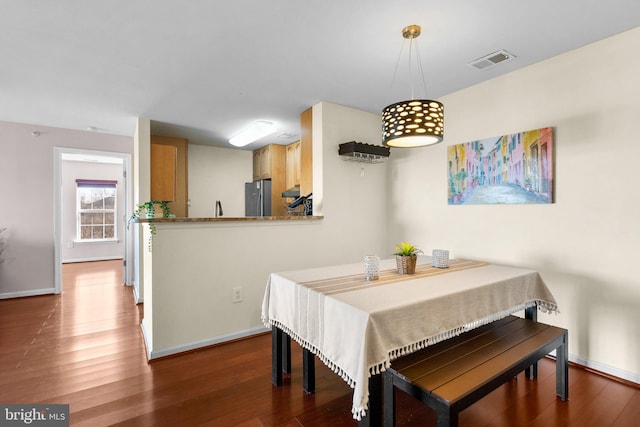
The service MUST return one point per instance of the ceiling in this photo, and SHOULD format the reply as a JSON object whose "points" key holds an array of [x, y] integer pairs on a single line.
{"points": [[204, 69]]}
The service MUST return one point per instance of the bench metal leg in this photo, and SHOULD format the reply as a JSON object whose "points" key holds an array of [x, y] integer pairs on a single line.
{"points": [[531, 313], [445, 417], [308, 371], [374, 411], [277, 336], [562, 369]]}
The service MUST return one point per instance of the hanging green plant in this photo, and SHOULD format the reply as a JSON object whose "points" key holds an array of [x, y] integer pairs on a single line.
{"points": [[149, 213]]}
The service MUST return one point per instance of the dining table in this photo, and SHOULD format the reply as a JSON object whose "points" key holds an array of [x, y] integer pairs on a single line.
{"points": [[357, 327]]}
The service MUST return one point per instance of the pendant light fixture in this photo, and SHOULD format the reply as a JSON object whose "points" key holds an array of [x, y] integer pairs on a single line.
{"points": [[415, 122]]}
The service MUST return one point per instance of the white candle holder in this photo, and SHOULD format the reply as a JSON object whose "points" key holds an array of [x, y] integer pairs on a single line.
{"points": [[440, 258], [371, 267]]}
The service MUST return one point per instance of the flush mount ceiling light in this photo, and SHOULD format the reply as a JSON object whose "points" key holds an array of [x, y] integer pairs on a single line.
{"points": [[256, 130], [415, 122]]}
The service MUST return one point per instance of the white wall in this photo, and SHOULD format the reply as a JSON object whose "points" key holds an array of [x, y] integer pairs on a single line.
{"points": [[585, 244], [217, 173], [196, 265], [141, 193], [71, 249], [353, 196], [26, 200]]}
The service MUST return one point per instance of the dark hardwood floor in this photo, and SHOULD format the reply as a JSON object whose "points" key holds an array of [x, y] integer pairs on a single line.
{"points": [[85, 348]]}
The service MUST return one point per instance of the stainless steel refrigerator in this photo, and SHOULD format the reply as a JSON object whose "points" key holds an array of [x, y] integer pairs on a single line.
{"points": [[257, 198]]}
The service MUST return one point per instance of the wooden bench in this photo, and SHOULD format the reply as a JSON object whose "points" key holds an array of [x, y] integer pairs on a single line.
{"points": [[453, 374]]}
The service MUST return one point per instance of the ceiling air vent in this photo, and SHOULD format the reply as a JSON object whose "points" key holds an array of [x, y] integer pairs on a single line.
{"points": [[492, 59]]}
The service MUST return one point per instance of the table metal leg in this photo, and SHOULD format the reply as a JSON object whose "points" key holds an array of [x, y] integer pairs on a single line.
{"points": [[277, 337], [389, 394], [374, 412], [308, 371], [286, 353], [531, 313]]}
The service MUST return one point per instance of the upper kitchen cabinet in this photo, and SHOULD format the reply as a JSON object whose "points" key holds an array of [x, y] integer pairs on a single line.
{"points": [[269, 162], [260, 161], [293, 165], [169, 173]]}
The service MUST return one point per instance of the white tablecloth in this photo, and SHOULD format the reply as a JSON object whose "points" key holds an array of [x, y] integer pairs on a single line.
{"points": [[357, 327]]}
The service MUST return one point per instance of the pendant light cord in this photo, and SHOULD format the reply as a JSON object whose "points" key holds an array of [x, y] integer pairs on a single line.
{"points": [[420, 69], [418, 66], [395, 72]]}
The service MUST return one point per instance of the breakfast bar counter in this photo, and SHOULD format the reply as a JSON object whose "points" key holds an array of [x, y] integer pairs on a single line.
{"points": [[232, 219]]}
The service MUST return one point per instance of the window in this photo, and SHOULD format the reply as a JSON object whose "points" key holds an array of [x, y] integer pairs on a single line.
{"points": [[96, 210]]}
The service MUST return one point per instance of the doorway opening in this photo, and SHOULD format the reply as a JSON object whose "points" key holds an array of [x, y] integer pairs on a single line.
{"points": [[78, 223]]}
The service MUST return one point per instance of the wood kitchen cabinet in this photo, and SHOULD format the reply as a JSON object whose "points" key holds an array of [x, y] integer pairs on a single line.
{"points": [[293, 165], [269, 163], [169, 173], [261, 160]]}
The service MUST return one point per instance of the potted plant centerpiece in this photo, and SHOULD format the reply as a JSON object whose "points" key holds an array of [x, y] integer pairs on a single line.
{"points": [[406, 257], [152, 209]]}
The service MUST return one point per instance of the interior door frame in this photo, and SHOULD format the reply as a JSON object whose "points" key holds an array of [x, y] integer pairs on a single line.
{"points": [[126, 235]]}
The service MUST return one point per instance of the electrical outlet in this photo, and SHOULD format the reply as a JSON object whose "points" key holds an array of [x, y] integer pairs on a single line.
{"points": [[237, 294]]}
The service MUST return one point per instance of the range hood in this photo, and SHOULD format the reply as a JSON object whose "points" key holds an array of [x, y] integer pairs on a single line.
{"points": [[360, 152], [292, 192]]}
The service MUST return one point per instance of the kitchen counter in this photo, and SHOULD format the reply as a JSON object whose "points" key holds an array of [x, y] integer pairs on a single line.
{"points": [[228, 219]]}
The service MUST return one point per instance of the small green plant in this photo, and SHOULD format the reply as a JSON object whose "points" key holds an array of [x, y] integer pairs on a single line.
{"points": [[149, 208], [407, 249]]}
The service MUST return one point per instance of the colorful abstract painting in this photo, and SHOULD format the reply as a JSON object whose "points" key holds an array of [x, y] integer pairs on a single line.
{"points": [[516, 168]]}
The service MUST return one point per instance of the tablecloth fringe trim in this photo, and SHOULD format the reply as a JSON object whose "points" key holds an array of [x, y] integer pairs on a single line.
{"points": [[544, 306]]}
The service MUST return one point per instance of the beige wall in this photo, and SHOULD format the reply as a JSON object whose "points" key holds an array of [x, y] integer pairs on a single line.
{"points": [[26, 200], [586, 243]]}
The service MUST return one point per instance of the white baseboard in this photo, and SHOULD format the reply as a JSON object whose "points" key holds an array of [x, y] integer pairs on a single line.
{"points": [[168, 351], [30, 293], [136, 296], [145, 336], [606, 369]]}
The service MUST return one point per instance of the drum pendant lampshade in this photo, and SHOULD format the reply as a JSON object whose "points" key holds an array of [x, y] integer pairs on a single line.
{"points": [[415, 122]]}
